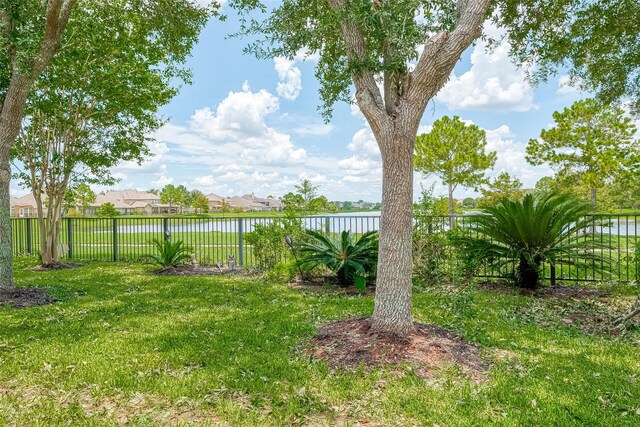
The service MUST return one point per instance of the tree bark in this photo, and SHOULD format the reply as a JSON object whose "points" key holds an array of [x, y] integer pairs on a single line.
{"points": [[593, 198], [392, 312], [10, 122], [6, 250], [451, 209]]}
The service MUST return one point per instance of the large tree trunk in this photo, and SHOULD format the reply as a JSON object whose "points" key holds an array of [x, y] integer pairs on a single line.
{"points": [[593, 198], [392, 313], [10, 121], [6, 251]]}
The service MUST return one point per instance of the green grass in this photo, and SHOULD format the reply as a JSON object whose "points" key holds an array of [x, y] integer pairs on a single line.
{"points": [[124, 345]]}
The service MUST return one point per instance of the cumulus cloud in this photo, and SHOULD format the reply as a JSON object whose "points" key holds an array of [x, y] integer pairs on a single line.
{"points": [[238, 127], [566, 86], [163, 179], [492, 83], [290, 84]]}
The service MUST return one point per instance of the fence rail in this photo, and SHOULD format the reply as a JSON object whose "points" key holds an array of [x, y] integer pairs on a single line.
{"points": [[215, 239]]}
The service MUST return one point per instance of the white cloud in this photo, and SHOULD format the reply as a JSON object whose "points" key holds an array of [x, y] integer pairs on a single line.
{"points": [[238, 128], [314, 129], [566, 86], [164, 178], [492, 83], [290, 84]]}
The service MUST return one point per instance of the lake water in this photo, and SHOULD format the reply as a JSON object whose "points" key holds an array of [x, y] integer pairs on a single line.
{"points": [[357, 222]]}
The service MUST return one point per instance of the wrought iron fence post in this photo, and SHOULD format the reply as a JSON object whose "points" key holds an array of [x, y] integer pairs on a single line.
{"points": [[240, 245], [70, 237], [552, 273], [29, 248], [115, 239]]}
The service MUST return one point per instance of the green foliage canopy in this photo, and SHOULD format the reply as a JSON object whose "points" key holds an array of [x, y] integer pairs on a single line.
{"points": [[455, 152], [589, 141]]}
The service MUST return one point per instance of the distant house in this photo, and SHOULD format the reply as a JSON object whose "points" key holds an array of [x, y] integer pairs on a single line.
{"points": [[270, 203], [131, 202], [215, 202], [240, 203], [24, 207]]}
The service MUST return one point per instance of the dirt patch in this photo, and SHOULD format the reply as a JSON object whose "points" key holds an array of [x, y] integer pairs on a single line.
{"points": [[328, 284], [189, 270], [556, 291], [348, 344], [56, 266], [25, 297]]}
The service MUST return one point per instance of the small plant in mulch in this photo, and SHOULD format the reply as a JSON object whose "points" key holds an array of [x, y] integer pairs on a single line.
{"points": [[169, 255], [25, 297], [348, 344]]}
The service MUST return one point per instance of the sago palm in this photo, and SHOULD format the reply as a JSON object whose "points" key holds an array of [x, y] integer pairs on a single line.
{"points": [[351, 260], [553, 228], [170, 254]]}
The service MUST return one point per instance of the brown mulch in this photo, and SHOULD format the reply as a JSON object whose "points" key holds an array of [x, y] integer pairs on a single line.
{"points": [[25, 297], [188, 270], [556, 291], [56, 266], [348, 344], [328, 284]]}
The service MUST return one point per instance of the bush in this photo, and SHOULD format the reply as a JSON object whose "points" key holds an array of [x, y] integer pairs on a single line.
{"points": [[170, 255], [353, 261], [550, 227], [437, 259], [637, 260], [268, 241]]}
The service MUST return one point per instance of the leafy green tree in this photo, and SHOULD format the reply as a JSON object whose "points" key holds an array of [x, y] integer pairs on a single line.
{"points": [[107, 210], [596, 40], [590, 141], [30, 35], [79, 197], [504, 186], [306, 200], [83, 118], [199, 201], [547, 228], [172, 196], [469, 202], [370, 49], [455, 152]]}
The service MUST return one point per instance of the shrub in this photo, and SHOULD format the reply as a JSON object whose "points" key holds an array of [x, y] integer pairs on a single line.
{"points": [[107, 210], [268, 241], [351, 260], [550, 227], [637, 260], [437, 258], [170, 255]]}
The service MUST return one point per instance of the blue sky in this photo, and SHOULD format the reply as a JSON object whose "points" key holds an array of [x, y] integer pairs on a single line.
{"points": [[247, 125]]}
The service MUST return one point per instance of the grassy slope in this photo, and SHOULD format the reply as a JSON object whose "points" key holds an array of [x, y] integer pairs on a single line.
{"points": [[228, 349]]}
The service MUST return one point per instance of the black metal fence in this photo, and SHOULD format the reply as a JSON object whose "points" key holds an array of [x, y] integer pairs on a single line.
{"points": [[215, 239]]}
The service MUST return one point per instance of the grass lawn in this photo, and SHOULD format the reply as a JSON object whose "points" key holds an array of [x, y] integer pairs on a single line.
{"points": [[122, 345]]}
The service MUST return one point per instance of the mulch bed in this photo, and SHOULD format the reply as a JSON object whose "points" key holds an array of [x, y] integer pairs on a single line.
{"points": [[348, 344], [556, 291], [25, 297], [328, 284], [56, 266], [188, 270]]}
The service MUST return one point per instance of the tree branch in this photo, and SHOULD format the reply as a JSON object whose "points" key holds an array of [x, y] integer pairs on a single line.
{"points": [[367, 92], [443, 50]]}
